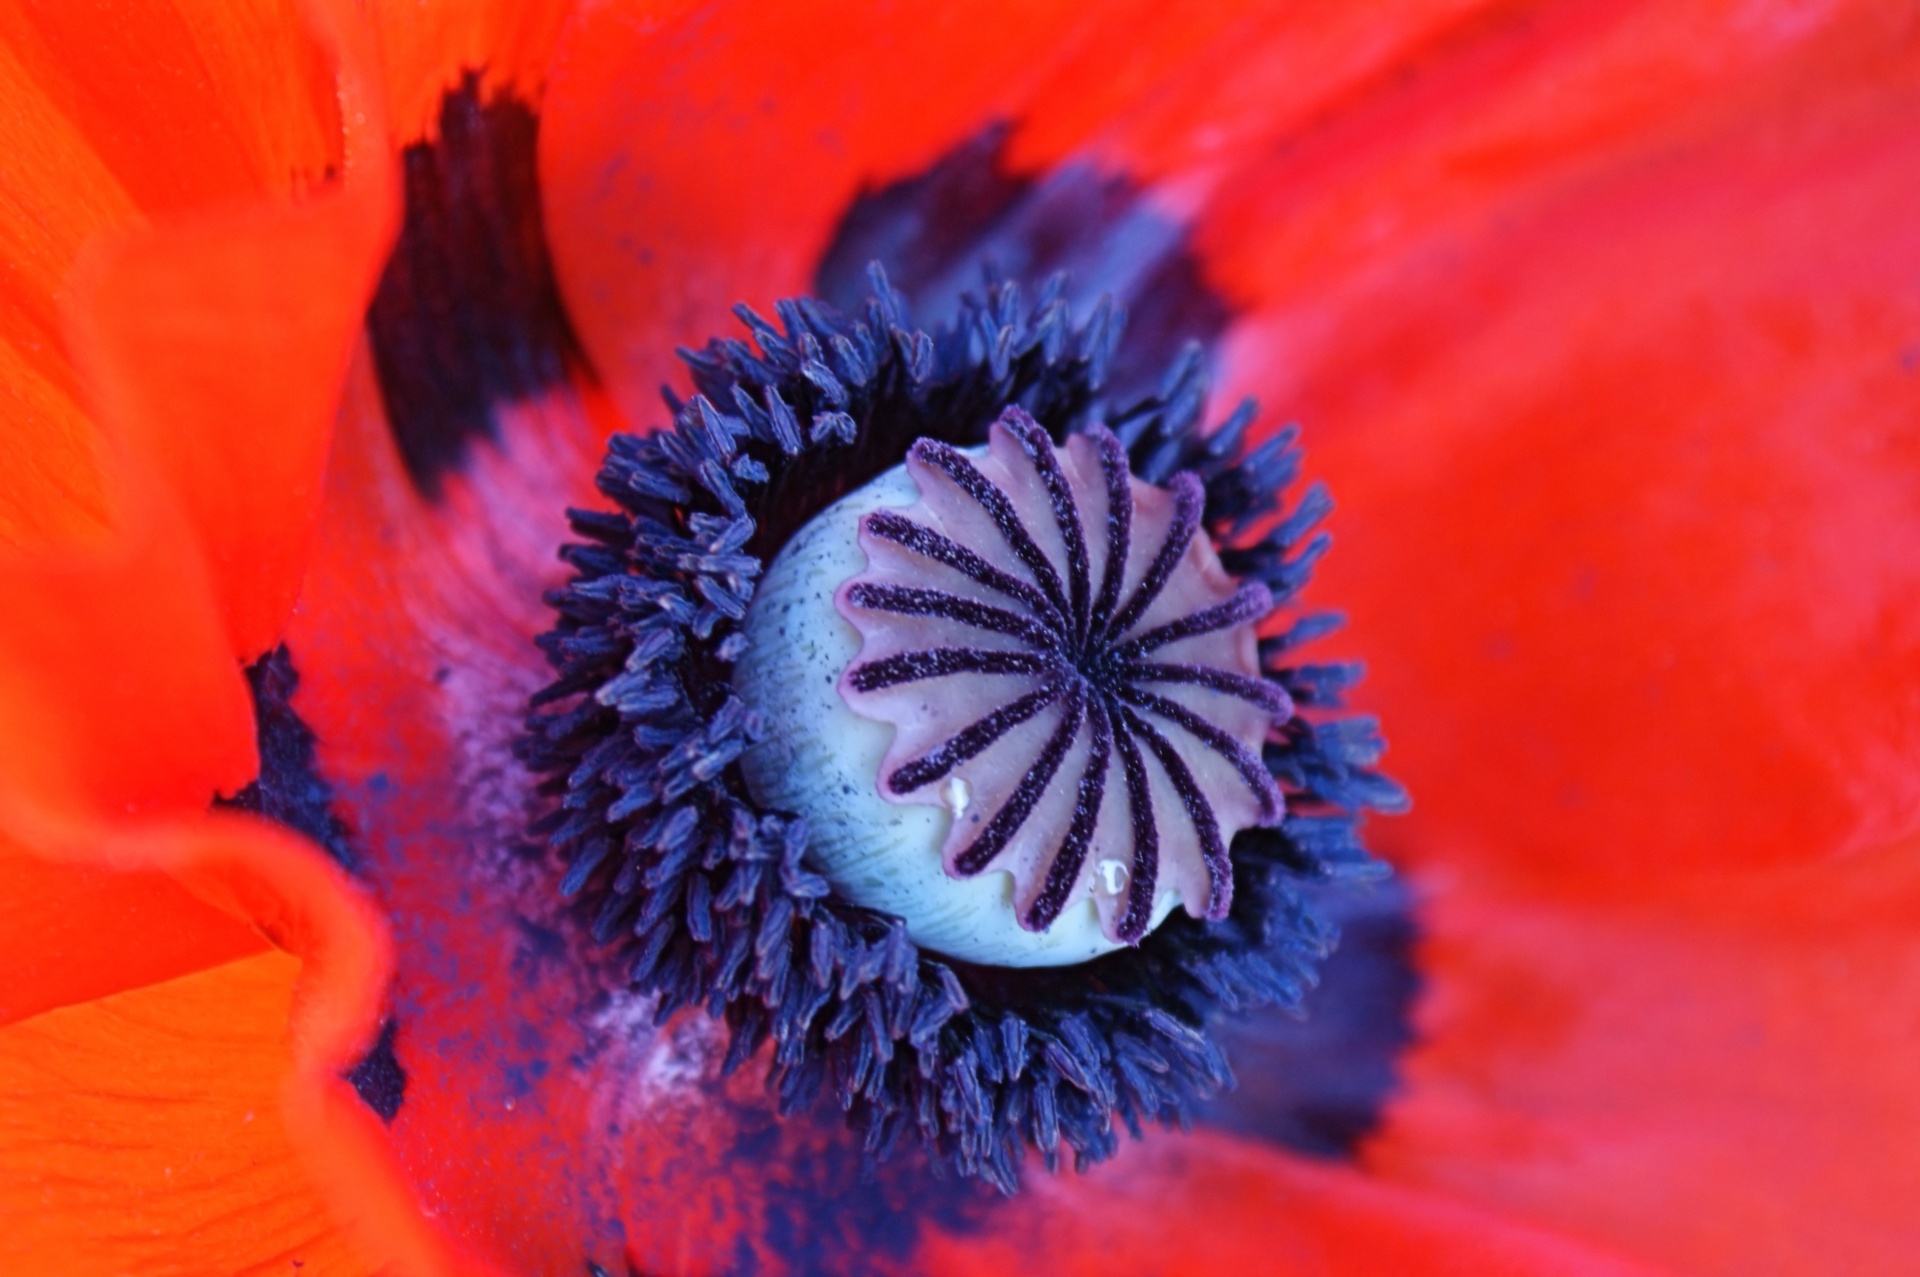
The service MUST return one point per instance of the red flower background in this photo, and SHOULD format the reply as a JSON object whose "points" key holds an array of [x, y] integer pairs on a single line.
{"points": [[1604, 323]]}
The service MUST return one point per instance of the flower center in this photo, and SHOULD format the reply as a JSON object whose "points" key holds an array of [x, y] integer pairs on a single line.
{"points": [[1085, 721], [1058, 684]]}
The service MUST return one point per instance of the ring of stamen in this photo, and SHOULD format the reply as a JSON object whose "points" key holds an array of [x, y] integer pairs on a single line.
{"points": [[707, 893]]}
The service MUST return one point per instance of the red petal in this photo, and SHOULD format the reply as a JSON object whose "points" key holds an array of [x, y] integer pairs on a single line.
{"points": [[1604, 334], [429, 45], [414, 642], [1722, 1081], [544, 1118], [493, 1019], [1204, 1204], [1458, 228], [694, 160], [142, 1133]]}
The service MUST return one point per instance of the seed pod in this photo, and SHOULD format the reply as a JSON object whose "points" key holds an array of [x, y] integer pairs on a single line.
{"points": [[1016, 698]]}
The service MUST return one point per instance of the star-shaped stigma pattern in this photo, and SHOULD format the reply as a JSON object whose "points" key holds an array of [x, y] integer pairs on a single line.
{"points": [[1070, 671]]}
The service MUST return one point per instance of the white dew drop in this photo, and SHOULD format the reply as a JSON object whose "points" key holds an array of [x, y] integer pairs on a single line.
{"points": [[1112, 875]]}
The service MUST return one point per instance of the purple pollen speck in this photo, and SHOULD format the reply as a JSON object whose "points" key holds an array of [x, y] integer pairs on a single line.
{"points": [[1050, 678]]}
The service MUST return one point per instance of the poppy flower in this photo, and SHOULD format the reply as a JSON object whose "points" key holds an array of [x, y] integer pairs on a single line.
{"points": [[1600, 321]]}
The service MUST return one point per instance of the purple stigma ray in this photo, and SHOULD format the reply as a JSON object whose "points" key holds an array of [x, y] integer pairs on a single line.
{"points": [[1007, 821], [1188, 498], [908, 667], [924, 541], [907, 601], [1007, 646], [976, 485], [1256, 691], [1254, 772], [1213, 847], [1066, 516], [1113, 467], [1146, 840], [1065, 869], [931, 767], [1250, 603]]}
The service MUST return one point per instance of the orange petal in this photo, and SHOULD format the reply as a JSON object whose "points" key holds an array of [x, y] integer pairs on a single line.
{"points": [[1722, 1082], [142, 1133], [288, 890], [112, 116], [215, 350], [119, 694], [58, 194], [74, 932], [186, 104], [1604, 335]]}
